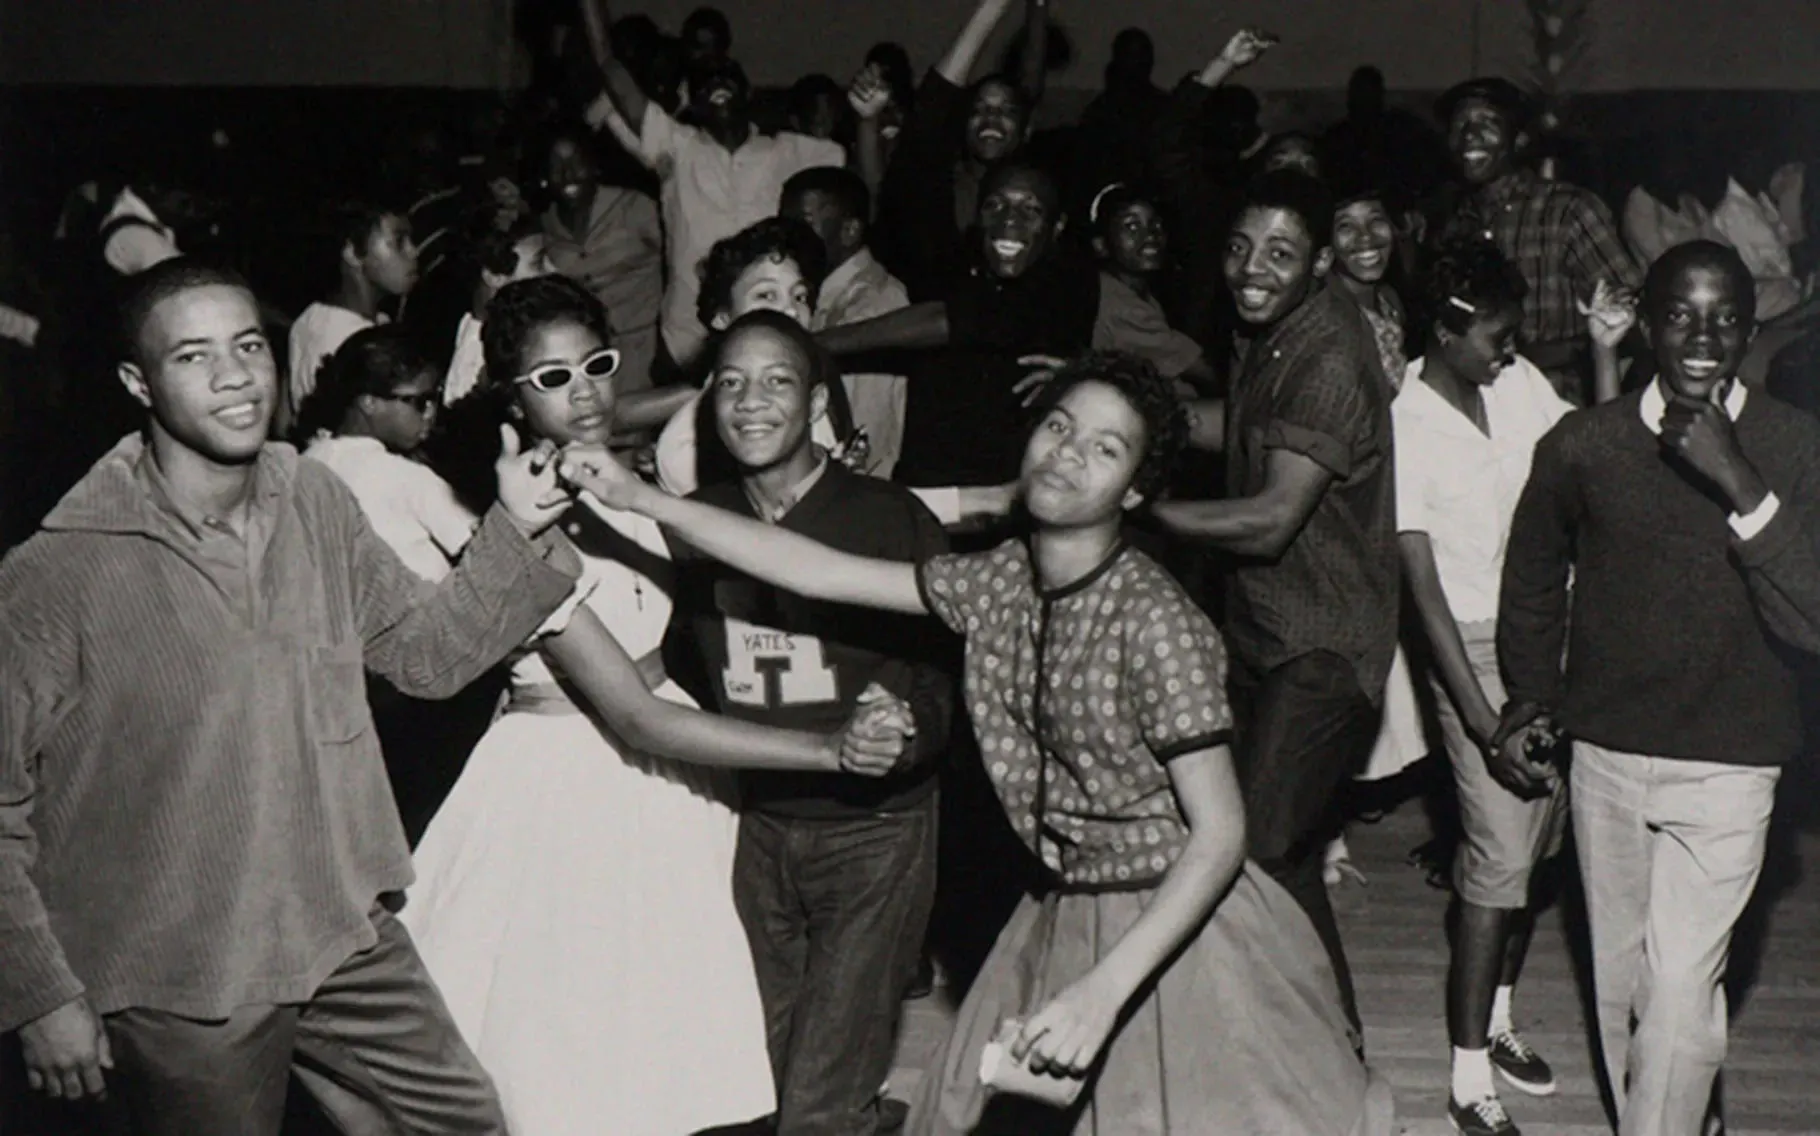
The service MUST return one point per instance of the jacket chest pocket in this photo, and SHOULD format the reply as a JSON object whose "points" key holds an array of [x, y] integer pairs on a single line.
{"points": [[336, 681]]}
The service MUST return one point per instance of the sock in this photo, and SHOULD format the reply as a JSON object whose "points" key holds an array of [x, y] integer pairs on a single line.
{"points": [[1471, 1075], [1500, 1012]]}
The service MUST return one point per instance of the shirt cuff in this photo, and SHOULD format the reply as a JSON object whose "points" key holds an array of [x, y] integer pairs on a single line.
{"points": [[1748, 525]]}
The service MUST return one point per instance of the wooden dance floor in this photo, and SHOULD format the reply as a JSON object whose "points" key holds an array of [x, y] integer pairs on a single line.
{"points": [[1393, 928]]}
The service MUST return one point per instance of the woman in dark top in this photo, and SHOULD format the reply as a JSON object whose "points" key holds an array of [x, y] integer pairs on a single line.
{"points": [[1027, 294]]}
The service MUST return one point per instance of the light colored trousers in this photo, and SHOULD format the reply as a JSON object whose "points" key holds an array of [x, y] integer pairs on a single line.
{"points": [[1670, 852]]}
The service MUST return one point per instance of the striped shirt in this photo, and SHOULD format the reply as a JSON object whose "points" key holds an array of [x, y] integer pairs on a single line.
{"points": [[194, 815]]}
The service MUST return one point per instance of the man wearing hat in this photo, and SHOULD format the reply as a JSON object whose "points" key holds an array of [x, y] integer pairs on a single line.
{"points": [[1560, 236]]}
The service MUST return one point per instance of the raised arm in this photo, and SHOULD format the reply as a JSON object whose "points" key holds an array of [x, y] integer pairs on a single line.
{"points": [[964, 53], [774, 555], [596, 665], [1260, 526], [628, 97], [869, 95], [1033, 69]]}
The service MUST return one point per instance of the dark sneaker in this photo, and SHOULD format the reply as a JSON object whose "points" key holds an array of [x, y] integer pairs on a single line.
{"points": [[893, 1114], [1521, 1065], [1484, 1117]]}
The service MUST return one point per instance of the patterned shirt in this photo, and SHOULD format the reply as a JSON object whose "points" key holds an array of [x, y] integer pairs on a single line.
{"points": [[1312, 385], [1562, 239], [1079, 697]]}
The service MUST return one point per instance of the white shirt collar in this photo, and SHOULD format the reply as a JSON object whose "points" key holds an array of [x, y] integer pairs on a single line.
{"points": [[1654, 403]]}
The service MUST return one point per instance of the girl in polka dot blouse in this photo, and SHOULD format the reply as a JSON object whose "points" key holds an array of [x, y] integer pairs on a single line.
{"points": [[1158, 981]]}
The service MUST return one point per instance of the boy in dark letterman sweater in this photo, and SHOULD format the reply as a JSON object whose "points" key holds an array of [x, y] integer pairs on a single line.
{"points": [[834, 876]]}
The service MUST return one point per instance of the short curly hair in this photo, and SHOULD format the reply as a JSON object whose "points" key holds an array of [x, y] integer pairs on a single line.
{"points": [[1468, 278], [523, 306], [1150, 394], [774, 238]]}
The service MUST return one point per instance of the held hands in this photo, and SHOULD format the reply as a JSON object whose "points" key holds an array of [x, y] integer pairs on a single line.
{"points": [[529, 488], [595, 470], [869, 94], [1065, 1037], [877, 738], [66, 1051], [1701, 434], [1610, 314], [1507, 751]]}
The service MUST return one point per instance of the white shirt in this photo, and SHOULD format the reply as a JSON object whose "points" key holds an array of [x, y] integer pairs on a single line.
{"points": [[466, 364], [410, 508], [711, 193], [134, 248], [1459, 486], [1654, 404], [319, 330], [862, 289]]}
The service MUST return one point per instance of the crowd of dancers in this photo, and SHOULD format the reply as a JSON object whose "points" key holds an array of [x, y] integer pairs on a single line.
{"points": [[1078, 513]]}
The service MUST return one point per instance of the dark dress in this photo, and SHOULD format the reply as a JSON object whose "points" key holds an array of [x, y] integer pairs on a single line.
{"points": [[1242, 1032]]}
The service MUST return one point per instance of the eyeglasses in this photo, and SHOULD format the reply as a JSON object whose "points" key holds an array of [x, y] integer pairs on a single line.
{"points": [[421, 403], [603, 364]]}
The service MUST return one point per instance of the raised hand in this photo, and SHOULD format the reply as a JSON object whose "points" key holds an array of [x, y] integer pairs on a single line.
{"points": [[869, 94], [595, 470], [877, 738], [1246, 47], [66, 1051], [529, 489], [1610, 314]]}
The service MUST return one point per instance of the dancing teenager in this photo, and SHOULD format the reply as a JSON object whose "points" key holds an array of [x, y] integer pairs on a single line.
{"points": [[1178, 987], [574, 896]]}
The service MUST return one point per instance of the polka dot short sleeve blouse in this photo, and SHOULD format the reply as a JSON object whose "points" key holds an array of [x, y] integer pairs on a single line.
{"points": [[1079, 697]]}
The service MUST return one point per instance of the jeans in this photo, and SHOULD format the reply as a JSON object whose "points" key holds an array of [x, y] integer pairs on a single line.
{"points": [[835, 912], [1304, 728], [374, 1044], [1670, 852]]}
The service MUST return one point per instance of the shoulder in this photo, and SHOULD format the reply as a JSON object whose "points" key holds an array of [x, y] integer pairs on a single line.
{"points": [[887, 512], [1796, 431], [1565, 197]]}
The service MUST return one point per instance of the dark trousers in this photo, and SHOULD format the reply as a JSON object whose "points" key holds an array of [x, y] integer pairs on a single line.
{"points": [[835, 912], [375, 1044], [1304, 729]]}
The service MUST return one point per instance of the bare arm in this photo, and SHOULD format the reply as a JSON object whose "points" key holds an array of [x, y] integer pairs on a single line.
{"points": [[648, 409], [922, 325], [1261, 526], [628, 97], [964, 53], [1476, 711], [1033, 74], [596, 664]]}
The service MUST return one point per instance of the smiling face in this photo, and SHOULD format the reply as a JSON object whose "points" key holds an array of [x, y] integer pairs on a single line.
{"points": [[571, 172], [1487, 346], [1080, 461], [1700, 327], [1134, 241], [764, 400], [1271, 263], [996, 121], [720, 96], [771, 284], [581, 410], [1482, 140], [1363, 239], [203, 367], [1018, 220]]}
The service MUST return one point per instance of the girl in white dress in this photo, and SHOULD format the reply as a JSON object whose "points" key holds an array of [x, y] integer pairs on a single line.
{"points": [[573, 899]]}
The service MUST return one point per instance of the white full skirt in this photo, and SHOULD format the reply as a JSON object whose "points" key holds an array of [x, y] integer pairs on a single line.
{"points": [[576, 909]]}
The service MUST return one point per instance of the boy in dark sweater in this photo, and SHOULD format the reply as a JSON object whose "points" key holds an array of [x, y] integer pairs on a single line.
{"points": [[1686, 512], [834, 876]]}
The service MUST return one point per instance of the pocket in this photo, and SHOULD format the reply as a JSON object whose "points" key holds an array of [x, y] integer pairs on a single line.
{"points": [[338, 693]]}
